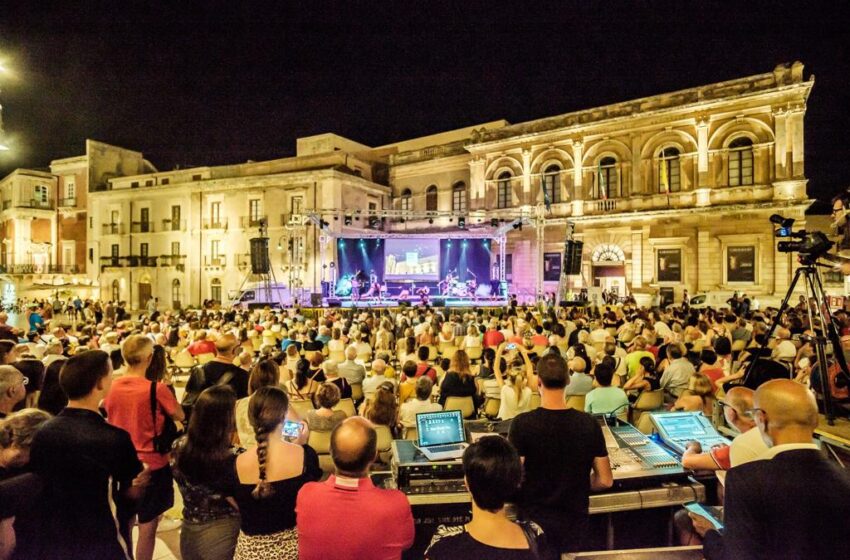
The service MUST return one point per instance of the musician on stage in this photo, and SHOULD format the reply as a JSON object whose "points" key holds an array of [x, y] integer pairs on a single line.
{"points": [[423, 293], [356, 282]]}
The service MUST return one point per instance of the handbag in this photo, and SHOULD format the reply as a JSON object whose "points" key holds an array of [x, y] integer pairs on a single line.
{"points": [[163, 441]]}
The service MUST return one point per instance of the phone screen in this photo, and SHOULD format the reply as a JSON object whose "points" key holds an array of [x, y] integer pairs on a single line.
{"points": [[291, 429], [510, 346], [699, 509]]}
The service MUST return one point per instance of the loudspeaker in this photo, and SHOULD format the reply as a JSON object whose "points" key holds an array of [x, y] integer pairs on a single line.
{"points": [[260, 255], [334, 302], [316, 299], [572, 257]]}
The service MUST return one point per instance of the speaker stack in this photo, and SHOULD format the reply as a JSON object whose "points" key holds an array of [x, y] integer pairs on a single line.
{"points": [[572, 257], [260, 255]]}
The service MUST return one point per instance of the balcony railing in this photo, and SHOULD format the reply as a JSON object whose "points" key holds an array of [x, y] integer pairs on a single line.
{"points": [[173, 225], [220, 223], [290, 220], [25, 268], [134, 261], [111, 262], [178, 261], [141, 227], [219, 261], [63, 269], [113, 229], [67, 202], [253, 221], [37, 204]]}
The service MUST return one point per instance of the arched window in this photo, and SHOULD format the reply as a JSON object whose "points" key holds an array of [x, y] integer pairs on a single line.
{"points": [[740, 162], [503, 190], [176, 296], [668, 171], [406, 197], [430, 199], [552, 183], [607, 179], [215, 290], [116, 291], [459, 197]]}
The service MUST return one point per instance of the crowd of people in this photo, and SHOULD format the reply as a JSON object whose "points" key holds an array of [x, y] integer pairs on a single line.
{"points": [[268, 422]]}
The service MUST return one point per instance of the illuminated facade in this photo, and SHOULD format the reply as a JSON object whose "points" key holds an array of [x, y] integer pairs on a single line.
{"points": [[668, 193]]}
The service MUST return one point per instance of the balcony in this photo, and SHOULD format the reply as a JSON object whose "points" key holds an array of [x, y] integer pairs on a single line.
{"points": [[173, 225], [63, 269], [253, 221], [141, 227], [113, 229], [36, 204], [110, 262], [67, 202], [219, 261], [220, 223], [290, 220], [177, 261], [135, 261]]}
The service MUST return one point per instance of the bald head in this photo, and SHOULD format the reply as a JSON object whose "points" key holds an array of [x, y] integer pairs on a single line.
{"points": [[225, 345], [740, 400], [790, 412], [354, 446]]}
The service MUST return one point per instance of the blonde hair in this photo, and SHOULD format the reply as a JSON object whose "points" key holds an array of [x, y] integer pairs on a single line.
{"points": [[460, 363], [136, 349], [19, 428], [700, 385]]}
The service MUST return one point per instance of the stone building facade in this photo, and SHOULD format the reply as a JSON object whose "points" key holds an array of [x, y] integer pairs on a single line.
{"points": [[668, 193]]}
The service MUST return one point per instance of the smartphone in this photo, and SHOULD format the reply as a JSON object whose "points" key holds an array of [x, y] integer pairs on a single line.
{"points": [[510, 346], [291, 430], [699, 509]]}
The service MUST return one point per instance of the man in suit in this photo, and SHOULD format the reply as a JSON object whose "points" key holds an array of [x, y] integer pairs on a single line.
{"points": [[792, 503]]}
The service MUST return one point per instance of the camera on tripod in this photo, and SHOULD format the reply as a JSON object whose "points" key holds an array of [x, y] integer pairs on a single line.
{"points": [[811, 245]]}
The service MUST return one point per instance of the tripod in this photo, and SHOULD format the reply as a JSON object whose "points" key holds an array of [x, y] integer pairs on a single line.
{"points": [[828, 335]]}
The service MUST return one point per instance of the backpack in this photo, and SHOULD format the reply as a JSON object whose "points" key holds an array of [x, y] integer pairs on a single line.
{"points": [[196, 385]]}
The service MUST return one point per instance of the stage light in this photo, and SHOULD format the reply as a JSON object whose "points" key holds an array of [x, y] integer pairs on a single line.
{"points": [[341, 243], [336, 218], [430, 220], [494, 222], [374, 222], [461, 222], [464, 244], [347, 220], [449, 243], [518, 225]]}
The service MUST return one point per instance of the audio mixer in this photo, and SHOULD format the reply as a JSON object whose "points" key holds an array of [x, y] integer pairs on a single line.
{"points": [[636, 460]]}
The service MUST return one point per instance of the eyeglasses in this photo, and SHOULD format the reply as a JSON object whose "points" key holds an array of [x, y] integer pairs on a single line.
{"points": [[725, 404], [751, 413], [837, 210], [25, 381]]}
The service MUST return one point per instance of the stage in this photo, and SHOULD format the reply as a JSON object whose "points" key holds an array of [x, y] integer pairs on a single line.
{"points": [[436, 301]]}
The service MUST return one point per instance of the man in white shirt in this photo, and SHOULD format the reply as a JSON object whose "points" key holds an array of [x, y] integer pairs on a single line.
{"points": [[351, 370], [678, 372], [422, 403], [375, 378]]}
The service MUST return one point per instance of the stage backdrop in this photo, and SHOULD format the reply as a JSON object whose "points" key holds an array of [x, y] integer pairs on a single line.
{"points": [[467, 259], [358, 254]]}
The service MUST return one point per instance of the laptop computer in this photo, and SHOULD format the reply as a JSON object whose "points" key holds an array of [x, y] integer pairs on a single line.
{"points": [[441, 435]]}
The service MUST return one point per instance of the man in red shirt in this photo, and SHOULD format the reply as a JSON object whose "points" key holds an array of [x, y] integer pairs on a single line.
{"points": [[202, 345], [346, 517], [128, 406], [423, 367], [492, 337]]}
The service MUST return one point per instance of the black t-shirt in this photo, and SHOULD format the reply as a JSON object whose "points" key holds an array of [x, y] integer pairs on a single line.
{"points": [[559, 447], [455, 543], [239, 381], [77, 454], [19, 493], [313, 346]]}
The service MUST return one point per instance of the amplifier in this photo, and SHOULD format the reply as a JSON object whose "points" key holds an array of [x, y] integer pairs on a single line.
{"points": [[415, 474]]}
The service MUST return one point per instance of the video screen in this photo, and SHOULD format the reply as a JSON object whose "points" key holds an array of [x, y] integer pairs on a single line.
{"points": [[412, 259], [680, 426], [440, 428]]}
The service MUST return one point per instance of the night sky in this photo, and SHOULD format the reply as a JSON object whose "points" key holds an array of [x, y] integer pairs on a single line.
{"points": [[228, 82]]}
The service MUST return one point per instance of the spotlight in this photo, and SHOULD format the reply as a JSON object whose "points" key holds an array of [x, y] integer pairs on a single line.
{"points": [[347, 220], [323, 224], [374, 222], [494, 222], [461, 222], [464, 244], [336, 218], [449, 243], [430, 220], [518, 224]]}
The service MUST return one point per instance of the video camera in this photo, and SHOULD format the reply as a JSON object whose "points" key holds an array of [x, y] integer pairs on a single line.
{"points": [[811, 245]]}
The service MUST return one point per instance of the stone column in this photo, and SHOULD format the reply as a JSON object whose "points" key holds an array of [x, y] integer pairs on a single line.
{"points": [[526, 176], [796, 140], [781, 149], [477, 187], [702, 176], [637, 259], [577, 170]]}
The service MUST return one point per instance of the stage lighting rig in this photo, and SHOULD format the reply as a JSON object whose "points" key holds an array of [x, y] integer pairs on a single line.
{"points": [[461, 222], [347, 220]]}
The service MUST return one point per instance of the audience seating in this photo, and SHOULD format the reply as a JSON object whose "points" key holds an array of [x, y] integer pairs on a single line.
{"points": [[647, 401], [385, 441], [464, 404], [475, 353], [449, 351], [491, 407], [184, 361], [205, 358], [357, 392], [321, 444], [576, 402], [337, 356], [411, 433], [432, 353], [301, 407], [347, 406]]}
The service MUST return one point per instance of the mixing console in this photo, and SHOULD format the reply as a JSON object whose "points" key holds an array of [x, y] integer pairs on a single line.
{"points": [[676, 429], [636, 460]]}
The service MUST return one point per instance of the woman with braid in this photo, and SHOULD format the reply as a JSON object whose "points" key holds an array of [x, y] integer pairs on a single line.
{"points": [[267, 479]]}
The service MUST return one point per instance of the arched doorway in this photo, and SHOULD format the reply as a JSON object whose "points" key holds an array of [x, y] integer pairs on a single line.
{"points": [[609, 268], [176, 294], [145, 291]]}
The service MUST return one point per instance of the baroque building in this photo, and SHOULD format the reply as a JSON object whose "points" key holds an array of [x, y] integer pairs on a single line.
{"points": [[668, 193]]}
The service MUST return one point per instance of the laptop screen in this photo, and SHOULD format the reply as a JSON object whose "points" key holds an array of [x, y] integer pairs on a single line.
{"points": [[440, 428]]}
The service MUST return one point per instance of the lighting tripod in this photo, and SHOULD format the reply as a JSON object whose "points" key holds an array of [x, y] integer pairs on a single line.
{"points": [[828, 333]]}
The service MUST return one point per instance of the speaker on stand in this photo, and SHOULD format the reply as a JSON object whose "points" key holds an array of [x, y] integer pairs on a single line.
{"points": [[572, 257]]}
